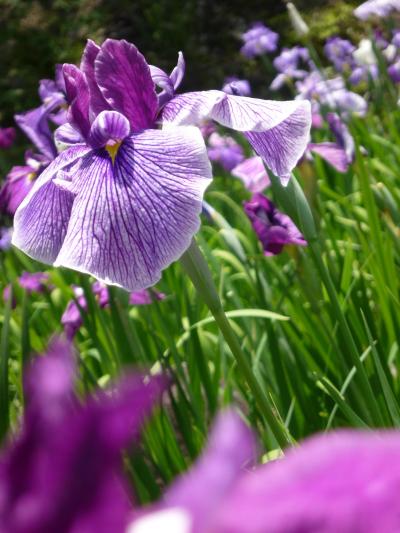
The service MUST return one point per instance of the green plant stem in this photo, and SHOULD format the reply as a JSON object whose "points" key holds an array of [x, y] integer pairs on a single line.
{"points": [[197, 269]]}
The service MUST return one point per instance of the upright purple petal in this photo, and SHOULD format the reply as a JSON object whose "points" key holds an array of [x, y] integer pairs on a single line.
{"points": [[132, 219], [97, 101], [108, 126], [40, 222], [278, 131], [35, 125], [125, 82], [78, 97], [178, 72]]}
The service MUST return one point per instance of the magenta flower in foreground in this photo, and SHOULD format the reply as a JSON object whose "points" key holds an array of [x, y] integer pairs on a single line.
{"points": [[343, 482], [63, 473], [7, 137], [273, 228], [124, 201]]}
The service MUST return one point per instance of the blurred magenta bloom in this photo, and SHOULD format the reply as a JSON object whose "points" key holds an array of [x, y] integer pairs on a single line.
{"points": [[238, 87], [377, 8], [224, 150], [7, 137], [342, 482], [63, 472], [394, 71], [123, 202], [34, 281], [273, 228], [253, 174], [259, 40], [72, 320], [5, 238]]}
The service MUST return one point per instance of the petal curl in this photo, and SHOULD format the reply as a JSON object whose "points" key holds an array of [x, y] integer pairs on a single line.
{"points": [[125, 81], [41, 220], [278, 131], [132, 219]]}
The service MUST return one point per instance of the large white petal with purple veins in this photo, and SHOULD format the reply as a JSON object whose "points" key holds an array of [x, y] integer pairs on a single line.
{"points": [[40, 222], [132, 219], [278, 131]]}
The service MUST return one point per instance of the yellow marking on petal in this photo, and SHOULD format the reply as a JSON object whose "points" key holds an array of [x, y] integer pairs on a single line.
{"points": [[112, 149], [31, 176]]}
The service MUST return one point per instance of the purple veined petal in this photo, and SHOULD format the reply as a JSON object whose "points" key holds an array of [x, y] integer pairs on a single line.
{"points": [[108, 126], [132, 219], [332, 154], [97, 101], [125, 81], [161, 79], [40, 222], [78, 97], [277, 131], [66, 135], [253, 174], [178, 72], [35, 125]]}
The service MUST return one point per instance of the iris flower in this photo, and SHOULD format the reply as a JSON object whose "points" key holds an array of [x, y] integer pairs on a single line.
{"points": [[123, 201]]}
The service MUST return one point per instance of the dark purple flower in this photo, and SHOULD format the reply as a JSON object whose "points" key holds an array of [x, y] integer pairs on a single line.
{"points": [[71, 319], [125, 202], [34, 281], [63, 473], [396, 38], [19, 181], [259, 40], [253, 174], [273, 228], [377, 8], [340, 52], [7, 137], [145, 297], [238, 87], [224, 150]]}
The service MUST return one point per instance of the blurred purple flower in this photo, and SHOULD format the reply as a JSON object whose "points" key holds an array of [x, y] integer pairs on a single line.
{"points": [[394, 71], [7, 137], [253, 174], [72, 320], [338, 482], [339, 52], [64, 470], [273, 228], [259, 40], [224, 150], [237, 87], [34, 281], [396, 38], [341, 153], [5, 238], [288, 65], [377, 8]]}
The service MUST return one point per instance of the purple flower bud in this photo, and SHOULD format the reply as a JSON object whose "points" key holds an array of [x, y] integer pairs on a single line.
{"points": [[34, 281], [237, 87], [273, 228]]}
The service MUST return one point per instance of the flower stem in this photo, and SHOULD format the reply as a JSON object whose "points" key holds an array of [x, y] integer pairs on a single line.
{"points": [[197, 269]]}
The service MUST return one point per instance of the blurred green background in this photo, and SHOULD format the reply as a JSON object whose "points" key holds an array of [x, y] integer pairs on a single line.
{"points": [[37, 34]]}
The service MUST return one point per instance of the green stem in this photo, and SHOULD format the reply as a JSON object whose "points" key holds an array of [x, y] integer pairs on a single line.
{"points": [[197, 269]]}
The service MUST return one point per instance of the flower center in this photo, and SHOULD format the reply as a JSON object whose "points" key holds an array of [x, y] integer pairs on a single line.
{"points": [[112, 149], [31, 176]]}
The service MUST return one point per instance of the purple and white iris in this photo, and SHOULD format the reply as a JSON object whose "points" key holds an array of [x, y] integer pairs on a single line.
{"points": [[259, 40], [288, 65], [123, 201], [377, 8], [340, 52], [253, 174]]}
